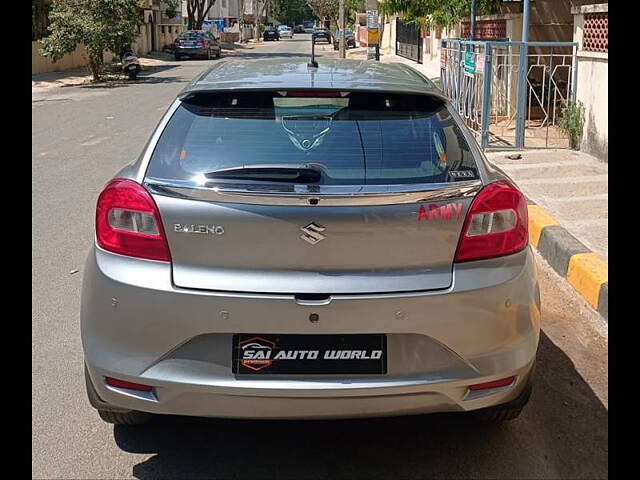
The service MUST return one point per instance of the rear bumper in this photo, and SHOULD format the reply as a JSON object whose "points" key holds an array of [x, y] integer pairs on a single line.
{"points": [[137, 326], [191, 51]]}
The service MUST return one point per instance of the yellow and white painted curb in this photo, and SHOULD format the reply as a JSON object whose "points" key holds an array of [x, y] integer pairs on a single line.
{"points": [[585, 270]]}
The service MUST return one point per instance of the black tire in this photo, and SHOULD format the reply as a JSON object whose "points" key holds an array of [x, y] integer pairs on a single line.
{"points": [[209, 56], [130, 417], [507, 411], [218, 54], [125, 418], [177, 57], [133, 76]]}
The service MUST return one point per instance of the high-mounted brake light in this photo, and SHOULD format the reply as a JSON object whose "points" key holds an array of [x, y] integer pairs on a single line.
{"points": [[128, 222], [313, 93], [496, 224]]}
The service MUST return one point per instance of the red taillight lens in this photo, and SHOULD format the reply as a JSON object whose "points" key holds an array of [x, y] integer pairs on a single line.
{"points": [[114, 382], [496, 224], [128, 222], [503, 382]]}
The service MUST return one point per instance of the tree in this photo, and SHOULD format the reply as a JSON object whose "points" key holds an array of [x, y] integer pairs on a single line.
{"points": [[329, 9], [171, 8], [291, 12], [39, 19], [100, 25], [197, 11], [259, 12], [439, 13]]}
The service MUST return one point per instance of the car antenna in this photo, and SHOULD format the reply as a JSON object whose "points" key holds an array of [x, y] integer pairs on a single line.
{"points": [[313, 62]]}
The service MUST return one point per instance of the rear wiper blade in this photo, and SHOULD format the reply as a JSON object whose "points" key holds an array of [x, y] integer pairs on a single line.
{"points": [[302, 173]]}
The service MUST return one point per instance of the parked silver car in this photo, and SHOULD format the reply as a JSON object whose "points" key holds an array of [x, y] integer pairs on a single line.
{"points": [[310, 243]]}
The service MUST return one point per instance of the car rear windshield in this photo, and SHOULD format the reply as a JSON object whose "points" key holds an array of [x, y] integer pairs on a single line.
{"points": [[354, 138]]}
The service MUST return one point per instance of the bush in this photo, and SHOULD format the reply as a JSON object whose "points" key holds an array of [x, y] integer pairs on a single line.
{"points": [[571, 123]]}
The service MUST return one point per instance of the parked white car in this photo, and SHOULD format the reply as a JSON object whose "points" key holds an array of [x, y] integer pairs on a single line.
{"points": [[285, 31]]}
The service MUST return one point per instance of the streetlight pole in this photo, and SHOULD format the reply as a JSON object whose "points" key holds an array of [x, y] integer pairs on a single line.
{"points": [[341, 29]]}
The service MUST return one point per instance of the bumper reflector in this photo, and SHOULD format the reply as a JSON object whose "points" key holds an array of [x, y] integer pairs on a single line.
{"points": [[114, 382], [495, 384]]}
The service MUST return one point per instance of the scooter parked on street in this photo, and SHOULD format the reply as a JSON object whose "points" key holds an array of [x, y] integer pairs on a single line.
{"points": [[130, 63]]}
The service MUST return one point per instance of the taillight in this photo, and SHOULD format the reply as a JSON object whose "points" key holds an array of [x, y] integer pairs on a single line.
{"points": [[128, 222], [202, 43], [496, 224]]}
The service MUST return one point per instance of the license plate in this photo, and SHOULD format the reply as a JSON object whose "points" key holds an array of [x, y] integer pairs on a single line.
{"points": [[260, 354]]}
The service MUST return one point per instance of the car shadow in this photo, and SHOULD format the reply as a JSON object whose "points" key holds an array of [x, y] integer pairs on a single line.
{"points": [[562, 433]]}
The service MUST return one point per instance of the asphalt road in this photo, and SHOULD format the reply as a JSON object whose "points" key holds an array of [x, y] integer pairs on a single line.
{"points": [[80, 137]]}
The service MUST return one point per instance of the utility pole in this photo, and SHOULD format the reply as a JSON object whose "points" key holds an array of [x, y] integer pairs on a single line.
{"points": [[341, 29], [373, 32], [241, 20], [522, 77]]}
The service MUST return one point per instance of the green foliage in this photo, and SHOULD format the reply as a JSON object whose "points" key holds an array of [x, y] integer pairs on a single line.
{"points": [[172, 8], [99, 24], [571, 123], [438, 13], [330, 10], [290, 12]]}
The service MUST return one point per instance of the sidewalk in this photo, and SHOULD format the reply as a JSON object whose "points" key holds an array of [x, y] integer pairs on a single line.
{"points": [[81, 76], [571, 186], [430, 68], [568, 192]]}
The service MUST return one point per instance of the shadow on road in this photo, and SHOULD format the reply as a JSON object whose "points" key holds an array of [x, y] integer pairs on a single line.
{"points": [[268, 54], [561, 434], [147, 76]]}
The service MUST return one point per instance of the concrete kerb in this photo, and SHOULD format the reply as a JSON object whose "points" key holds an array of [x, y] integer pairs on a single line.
{"points": [[585, 270]]}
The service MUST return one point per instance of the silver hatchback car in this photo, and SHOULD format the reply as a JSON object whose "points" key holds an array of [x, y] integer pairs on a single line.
{"points": [[298, 242]]}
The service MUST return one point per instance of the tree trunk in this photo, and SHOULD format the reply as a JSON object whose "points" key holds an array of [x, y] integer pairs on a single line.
{"points": [[94, 67], [258, 16], [190, 16]]}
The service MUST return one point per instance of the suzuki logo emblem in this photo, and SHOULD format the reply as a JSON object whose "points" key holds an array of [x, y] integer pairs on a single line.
{"points": [[312, 233]]}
